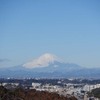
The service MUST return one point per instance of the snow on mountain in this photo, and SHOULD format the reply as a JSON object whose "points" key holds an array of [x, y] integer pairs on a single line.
{"points": [[42, 61], [48, 66]]}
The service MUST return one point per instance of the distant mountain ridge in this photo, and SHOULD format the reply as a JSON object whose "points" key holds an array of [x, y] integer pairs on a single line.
{"points": [[49, 66]]}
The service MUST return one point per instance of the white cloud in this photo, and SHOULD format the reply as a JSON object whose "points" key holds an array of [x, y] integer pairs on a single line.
{"points": [[42, 61]]}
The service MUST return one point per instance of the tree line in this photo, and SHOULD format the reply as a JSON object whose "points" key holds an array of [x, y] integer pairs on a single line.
{"points": [[22, 94]]}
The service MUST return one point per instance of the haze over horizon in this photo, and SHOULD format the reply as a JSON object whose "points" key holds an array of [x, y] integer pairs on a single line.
{"points": [[68, 29]]}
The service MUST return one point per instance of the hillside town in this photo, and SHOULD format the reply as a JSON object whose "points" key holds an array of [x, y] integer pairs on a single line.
{"points": [[72, 88]]}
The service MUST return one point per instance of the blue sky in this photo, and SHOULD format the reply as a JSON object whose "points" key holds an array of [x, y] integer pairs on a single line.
{"points": [[69, 29]]}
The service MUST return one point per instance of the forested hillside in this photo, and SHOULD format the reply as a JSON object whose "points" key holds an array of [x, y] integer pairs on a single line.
{"points": [[21, 94]]}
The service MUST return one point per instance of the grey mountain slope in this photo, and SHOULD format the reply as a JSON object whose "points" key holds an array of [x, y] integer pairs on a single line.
{"points": [[55, 69]]}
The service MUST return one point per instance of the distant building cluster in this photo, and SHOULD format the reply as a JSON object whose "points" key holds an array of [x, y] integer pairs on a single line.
{"points": [[90, 87], [79, 90]]}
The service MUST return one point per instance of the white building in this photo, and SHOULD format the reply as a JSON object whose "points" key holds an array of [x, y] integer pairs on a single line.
{"points": [[91, 87], [36, 85]]}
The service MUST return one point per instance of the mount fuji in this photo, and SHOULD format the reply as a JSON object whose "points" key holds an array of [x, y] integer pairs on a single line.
{"points": [[49, 66]]}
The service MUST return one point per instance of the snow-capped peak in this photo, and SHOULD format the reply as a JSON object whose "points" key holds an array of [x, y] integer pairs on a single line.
{"points": [[42, 61]]}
